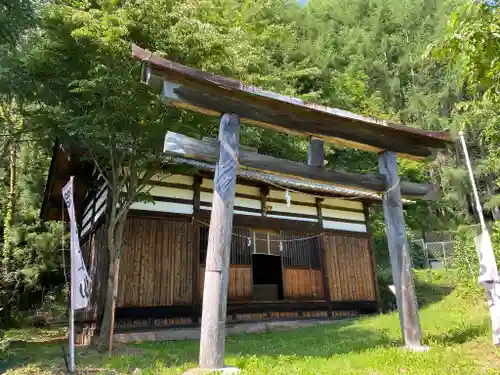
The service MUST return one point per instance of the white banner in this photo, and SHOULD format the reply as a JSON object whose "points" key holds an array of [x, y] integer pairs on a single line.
{"points": [[488, 278], [80, 280]]}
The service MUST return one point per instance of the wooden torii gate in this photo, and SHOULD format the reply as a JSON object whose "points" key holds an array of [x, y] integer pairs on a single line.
{"points": [[232, 101]]}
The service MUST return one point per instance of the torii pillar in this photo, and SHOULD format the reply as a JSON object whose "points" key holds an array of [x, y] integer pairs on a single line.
{"points": [[213, 319], [402, 273]]}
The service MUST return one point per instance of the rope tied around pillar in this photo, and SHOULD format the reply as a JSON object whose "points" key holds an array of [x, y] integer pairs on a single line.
{"points": [[396, 184]]}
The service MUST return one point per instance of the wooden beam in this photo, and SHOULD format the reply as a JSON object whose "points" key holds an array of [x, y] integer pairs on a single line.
{"points": [[264, 192], [373, 260], [213, 95], [213, 321], [197, 181], [195, 286], [316, 159], [316, 153], [321, 250], [184, 311], [399, 253], [181, 145], [268, 223]]}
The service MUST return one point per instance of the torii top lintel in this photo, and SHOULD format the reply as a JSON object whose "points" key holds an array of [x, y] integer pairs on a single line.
{"points": [[212, 94]]}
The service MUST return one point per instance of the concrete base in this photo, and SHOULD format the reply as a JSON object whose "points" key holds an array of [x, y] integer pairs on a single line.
{"points": [[418, 348], [228, 370], [173, 334]]}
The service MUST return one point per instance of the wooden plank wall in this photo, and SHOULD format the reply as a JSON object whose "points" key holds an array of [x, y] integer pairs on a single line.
{"points": [[157, 264], [240, 283], [303, 283], [96, 260], [348, 264]]}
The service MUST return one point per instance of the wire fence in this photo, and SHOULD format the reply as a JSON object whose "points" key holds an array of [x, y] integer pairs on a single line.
{"points": [[436, 250], [436, 255]]}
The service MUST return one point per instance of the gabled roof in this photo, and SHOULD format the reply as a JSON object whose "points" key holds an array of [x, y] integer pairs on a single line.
{"points": [[64, 164]]}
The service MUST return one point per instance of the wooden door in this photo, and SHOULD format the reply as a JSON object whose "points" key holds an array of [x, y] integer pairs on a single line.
{"points": [[240, 269], [302, 276], [348, 266]]}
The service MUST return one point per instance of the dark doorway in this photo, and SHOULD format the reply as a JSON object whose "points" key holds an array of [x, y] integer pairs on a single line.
{"points": [[267, 277]]}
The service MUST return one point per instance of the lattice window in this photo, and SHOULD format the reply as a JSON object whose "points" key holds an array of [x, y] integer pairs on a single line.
{"points": [[241, 252], [300, 251]]}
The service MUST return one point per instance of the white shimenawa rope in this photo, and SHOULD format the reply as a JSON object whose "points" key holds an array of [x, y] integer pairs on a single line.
{"points": [[249, 239], [391, 188]]}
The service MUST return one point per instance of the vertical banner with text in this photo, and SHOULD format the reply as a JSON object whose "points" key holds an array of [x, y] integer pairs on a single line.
{"points": [[80, 280]]}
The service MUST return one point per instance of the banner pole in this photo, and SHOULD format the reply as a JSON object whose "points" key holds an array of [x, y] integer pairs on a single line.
{"points": [[71, 340], [71, 335], [473, 182], [71, 314]]}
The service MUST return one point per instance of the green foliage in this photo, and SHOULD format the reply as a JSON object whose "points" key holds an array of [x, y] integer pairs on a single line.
{"points": [[35, 261], [471, 46], [30, 254], [465, 258], [15, 17], [495, 239], [465, 255]]}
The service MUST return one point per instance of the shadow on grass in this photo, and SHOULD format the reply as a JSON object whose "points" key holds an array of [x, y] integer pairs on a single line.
{"points": [[21, 353], [459, 335], [48, 357], [427, 293], [319, 341]]}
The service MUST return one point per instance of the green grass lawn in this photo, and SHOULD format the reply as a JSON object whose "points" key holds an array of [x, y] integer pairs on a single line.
{"points": [[456, 327]]}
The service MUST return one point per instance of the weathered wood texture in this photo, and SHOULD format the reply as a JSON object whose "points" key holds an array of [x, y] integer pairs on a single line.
{"points": [[240, 283], [303, 283], [96, 260], [366, 210], [213, 320], [302, 276], [316, 153], [399, 252], [213, 94], [348, 263], [157, 265], [187, 147]]}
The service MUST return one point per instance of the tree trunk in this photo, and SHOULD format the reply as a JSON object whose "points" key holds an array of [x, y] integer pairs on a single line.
{"points": [[9, 212], [115, 245], [107, 318]]}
